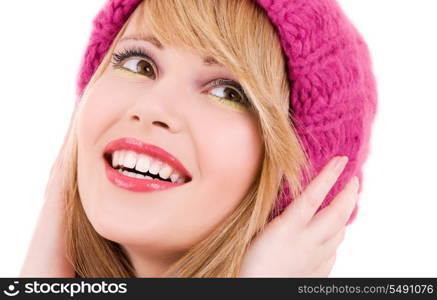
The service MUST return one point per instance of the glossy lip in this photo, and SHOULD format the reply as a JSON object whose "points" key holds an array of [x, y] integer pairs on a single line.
{"points": [[139, 184]]}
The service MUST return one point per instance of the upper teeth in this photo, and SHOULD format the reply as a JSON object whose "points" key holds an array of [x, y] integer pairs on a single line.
{"points": [[144, 163]]}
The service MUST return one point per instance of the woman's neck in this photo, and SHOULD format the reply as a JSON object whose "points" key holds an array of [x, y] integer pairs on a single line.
{"points": [[149, 263]]}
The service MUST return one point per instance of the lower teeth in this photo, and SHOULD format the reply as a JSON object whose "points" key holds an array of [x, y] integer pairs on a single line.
{"points": [[136, 175]]}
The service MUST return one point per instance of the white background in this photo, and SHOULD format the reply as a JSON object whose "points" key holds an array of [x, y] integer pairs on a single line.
{"points": [[394, 235]]}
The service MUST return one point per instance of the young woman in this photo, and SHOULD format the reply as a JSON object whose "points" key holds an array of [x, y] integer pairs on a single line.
{"points": [[200, 141]]}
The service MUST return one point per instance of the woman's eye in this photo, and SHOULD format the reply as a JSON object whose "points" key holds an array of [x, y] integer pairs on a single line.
{"points": [[139, 61], [227, 93], [139, 66]]}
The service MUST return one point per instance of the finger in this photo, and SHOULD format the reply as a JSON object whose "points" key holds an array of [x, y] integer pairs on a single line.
{"points": [[333, 217], [305, 206], [327, 249], [330, 246], [324, 269]]}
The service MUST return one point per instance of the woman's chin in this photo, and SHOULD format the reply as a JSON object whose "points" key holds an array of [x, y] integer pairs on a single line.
{"points": [[124, 231]]}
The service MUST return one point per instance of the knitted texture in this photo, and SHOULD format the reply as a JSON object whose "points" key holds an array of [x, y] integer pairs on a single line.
{"points": [[333, 97]]}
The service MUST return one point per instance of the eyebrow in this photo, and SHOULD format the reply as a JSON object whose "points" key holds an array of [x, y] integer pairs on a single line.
{"points": [[207, 60]]}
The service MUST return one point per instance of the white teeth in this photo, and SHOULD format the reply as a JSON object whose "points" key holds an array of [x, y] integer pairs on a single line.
{"points": [[174, 177], [165, 171], [133, 175], [155, 166], [143, 163], [130, 159], [121, 155], [140, 176], [115, 157], [130, 174]]}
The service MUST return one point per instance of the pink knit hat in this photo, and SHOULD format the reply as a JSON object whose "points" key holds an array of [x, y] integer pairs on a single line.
{"points": [[333, 91]]}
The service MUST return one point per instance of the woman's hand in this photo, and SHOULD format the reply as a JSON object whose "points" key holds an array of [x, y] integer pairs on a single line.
{"points": [[46, 253], [300, 243]]}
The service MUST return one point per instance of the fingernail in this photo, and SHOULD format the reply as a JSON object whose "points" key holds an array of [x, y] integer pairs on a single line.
{"points": [[340, 163]]}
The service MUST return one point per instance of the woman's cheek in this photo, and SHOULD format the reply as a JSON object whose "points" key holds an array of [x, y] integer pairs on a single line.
{"points": [[232, 149]]}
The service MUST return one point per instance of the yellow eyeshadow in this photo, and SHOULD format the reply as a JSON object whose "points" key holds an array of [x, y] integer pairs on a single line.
{"points": [[233, 104], [126, 71], [130, 74]]}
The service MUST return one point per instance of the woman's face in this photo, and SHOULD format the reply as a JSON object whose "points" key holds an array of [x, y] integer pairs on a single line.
{"points": [[167, 102]]}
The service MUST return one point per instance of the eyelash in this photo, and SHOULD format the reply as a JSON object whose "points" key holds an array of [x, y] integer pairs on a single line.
{"points": [[143, 53]]}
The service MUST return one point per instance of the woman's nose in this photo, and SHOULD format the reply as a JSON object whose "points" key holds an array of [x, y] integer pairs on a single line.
{"points": [[162, 124], [163, 105]]}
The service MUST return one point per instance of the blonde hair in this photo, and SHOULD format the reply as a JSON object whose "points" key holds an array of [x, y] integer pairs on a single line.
{"points": [[238, 34]]}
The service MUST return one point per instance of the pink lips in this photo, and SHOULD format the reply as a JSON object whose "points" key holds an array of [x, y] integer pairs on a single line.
{"points": [[139, 184]]}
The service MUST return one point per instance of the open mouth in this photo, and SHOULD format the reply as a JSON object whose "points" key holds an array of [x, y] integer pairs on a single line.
{"points": [[137, 166], [134, 173]]}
